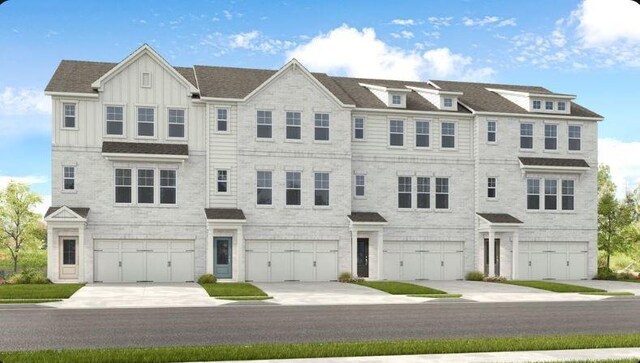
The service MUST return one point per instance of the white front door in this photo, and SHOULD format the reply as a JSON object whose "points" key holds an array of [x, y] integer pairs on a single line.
{"points": [[68, 258]]}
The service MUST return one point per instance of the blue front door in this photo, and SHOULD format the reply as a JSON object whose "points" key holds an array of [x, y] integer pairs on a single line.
{"points": [[222, 257]]}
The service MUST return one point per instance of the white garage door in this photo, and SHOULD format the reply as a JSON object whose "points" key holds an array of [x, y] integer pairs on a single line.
{"points": [[139, 260], [553, 261], [292, 260], [423, 260]]}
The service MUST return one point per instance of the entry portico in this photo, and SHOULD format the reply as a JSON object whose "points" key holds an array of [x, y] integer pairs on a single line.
{"points": [[494, 230], [367, 227], [65, 243], [225, 243]]}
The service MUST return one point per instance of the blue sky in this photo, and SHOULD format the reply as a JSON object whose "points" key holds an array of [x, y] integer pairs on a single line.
{"points": [[590, 48]]}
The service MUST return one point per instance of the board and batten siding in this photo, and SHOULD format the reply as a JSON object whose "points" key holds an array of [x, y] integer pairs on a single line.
{"points": [[223, 155]]}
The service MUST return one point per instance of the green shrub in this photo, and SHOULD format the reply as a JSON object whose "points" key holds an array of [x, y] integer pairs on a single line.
{"points": [[29, 276], [345, 277], [474, 276], [605, 274], [626, 276], [207, 279], [494, 278]]}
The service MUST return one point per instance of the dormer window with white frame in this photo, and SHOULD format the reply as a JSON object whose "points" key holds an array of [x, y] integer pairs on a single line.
{"points": [[391, 97], [537, 104], [441, 99], [145, 80], [447, 102], [396, 100]]}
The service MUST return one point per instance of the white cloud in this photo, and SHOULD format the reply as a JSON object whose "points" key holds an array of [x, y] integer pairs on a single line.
{"points": [[23, 101], [29, 179], [625, 171], [605, 22], [489, 20], [256, 41], [360, 53], [507, 22], [405, 34], [440, 22], [404, 22], [227, 14]]}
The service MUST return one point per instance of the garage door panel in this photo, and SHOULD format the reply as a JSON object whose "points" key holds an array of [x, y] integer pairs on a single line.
{"points": [[157, 266], [181, 245], [326, 266], [391, 265], [453, 266], [182, 266], [281, 266], [303, 246], [157, 245], [523, 266], [257, 266], [408, 247], [107, 245], [539, 265], [326, 246], [538, 246], [303, 266], [411, 265], [107, 266], [558, 247], [452, 246], [280, 246], [133, 266], [432, 265], [132, 245], [558, 265], [578, 247], [578, 266], [392, 247]]}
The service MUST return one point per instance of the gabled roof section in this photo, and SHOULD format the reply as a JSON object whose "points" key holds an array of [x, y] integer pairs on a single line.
{"points": [[66, 213], [499, 218], [144, 50], [76, 76], [480, 98]]}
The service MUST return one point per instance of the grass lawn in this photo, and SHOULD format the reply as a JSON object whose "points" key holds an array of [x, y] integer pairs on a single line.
{"points": [[623, 293], [37, 291], [399, 288], [437, 296], [235, 289], [552, 286], [311, 350]]}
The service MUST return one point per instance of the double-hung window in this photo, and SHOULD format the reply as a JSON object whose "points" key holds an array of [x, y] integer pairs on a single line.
{"points": [[550, 194], [422, 133], [222, 120], [146, 121], [69, 178], [562, 106], [448, 102], [533, 194], [568, 192], [123, 185], [293, 186], [404, 192], [115, 120], [176, 123], [396, 99], [396, 133], [548, 105], [69, 121], [448, 131], [526, 136], [264, 187], [168, 187], [360, 185], [442, 193], [222, 181], [321, 189], [264, 124], [358, 128], [321, 131], [491, 188], [492, 131], [423, 192], [575, 137], [537, 104], [294, 126], [550, 137], [145, 186]]}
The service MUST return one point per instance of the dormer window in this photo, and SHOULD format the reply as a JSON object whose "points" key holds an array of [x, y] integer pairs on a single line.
{"points": [[396, 100], [448, 102], [548, 105], [537, 104], [562, 106]]}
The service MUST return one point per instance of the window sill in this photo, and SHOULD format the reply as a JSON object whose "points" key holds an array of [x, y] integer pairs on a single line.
{"points": [[322, 141], [293, 141], [492, 143], [69, 128], [264, 139], [527, 150], [574, 151], [146, 138], [176, 139], [396, 147], [63, 191], [110, 136], [448, 149], [491, 199], [293, 206], [265, 206], [422, 147], [358, 140], [322, 207], [360, 197], [145, 205], [222, 132], [551, 211], [552, 151]]}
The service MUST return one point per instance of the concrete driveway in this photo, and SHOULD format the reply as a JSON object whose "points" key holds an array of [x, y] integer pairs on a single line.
{"points": [[496, 292], [330, 293], [611, 286], [138, 295]]}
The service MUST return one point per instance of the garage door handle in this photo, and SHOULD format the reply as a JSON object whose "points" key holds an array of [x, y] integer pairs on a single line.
{"points": [[119, 263], [401, 263], [168, 263], [529, 263], [268, 263], [567, 262], [442, 263], [314, 263]]}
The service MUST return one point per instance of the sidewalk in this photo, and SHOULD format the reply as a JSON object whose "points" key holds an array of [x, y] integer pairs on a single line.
{"points": [[495, 357]]}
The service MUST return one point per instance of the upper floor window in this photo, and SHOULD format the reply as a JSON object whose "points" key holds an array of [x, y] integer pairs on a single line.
{"points": [[123, 185], [358, 128], [222, 120], [442, 193], [69, 178], [492, 131], [548, 105], [550, 194], [168, 187], [422, 133], [293, 186], [404, 192], [264, 125], [359, 185], [293, 126], [562, 106], [264, 187], [69, 121], [115, 120], [448, 102], [526, 136], [423, 192], [222, 181], [567, 194], [145, 186], [396, 133], [448, 130], [537, 104], [145, 80], [491, 188], [176, 123], [396, 99], [550, 137], [575, 137], [321, 189], [146, 121], [322, 126], [533, 194]]}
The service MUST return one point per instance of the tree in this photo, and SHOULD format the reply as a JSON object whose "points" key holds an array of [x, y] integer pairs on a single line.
{"points": [[617, 232], [20, 227]]}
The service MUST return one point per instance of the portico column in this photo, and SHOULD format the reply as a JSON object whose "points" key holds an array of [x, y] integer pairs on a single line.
{"points": [[241, 252], [354, 252], [208, 250], [492, 253], [514, 259], [81, 260], [380, 254], [52, 254]]}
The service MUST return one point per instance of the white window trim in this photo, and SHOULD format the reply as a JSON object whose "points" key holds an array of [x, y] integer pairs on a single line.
{"points": [[228, 131], [429, 134], [544, 137], [156, 122], [533, 134], [412, 192], [75, 179], [553, 106], [541, 105], [435, 194], [353, 129], [495, 198], [263, 139], [286, 189], [398, 97], [404, 133], [133, 186], [156, 186], [542, 194], [124, 121], [228, 181], [77, 119], [495, 132], [255, 187], [455, 136], [561, 194], [186, 117], [328, 206], [431, 194], [580, 151], [355, 186], [328, 141], [444, 105], [142, 85], [286, 126], [158, 171]]}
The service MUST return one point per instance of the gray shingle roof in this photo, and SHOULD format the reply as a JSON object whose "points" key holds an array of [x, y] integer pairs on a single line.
{"points": [[579, 163], [366, 217], [499, 218], [113, 147], [81, 211], [224, 213]]}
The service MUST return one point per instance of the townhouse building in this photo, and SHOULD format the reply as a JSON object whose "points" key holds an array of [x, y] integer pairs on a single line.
{"points": [[164, 173]]}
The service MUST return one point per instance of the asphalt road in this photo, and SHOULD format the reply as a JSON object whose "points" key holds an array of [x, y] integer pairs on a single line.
{"points": [[52, 328]]}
